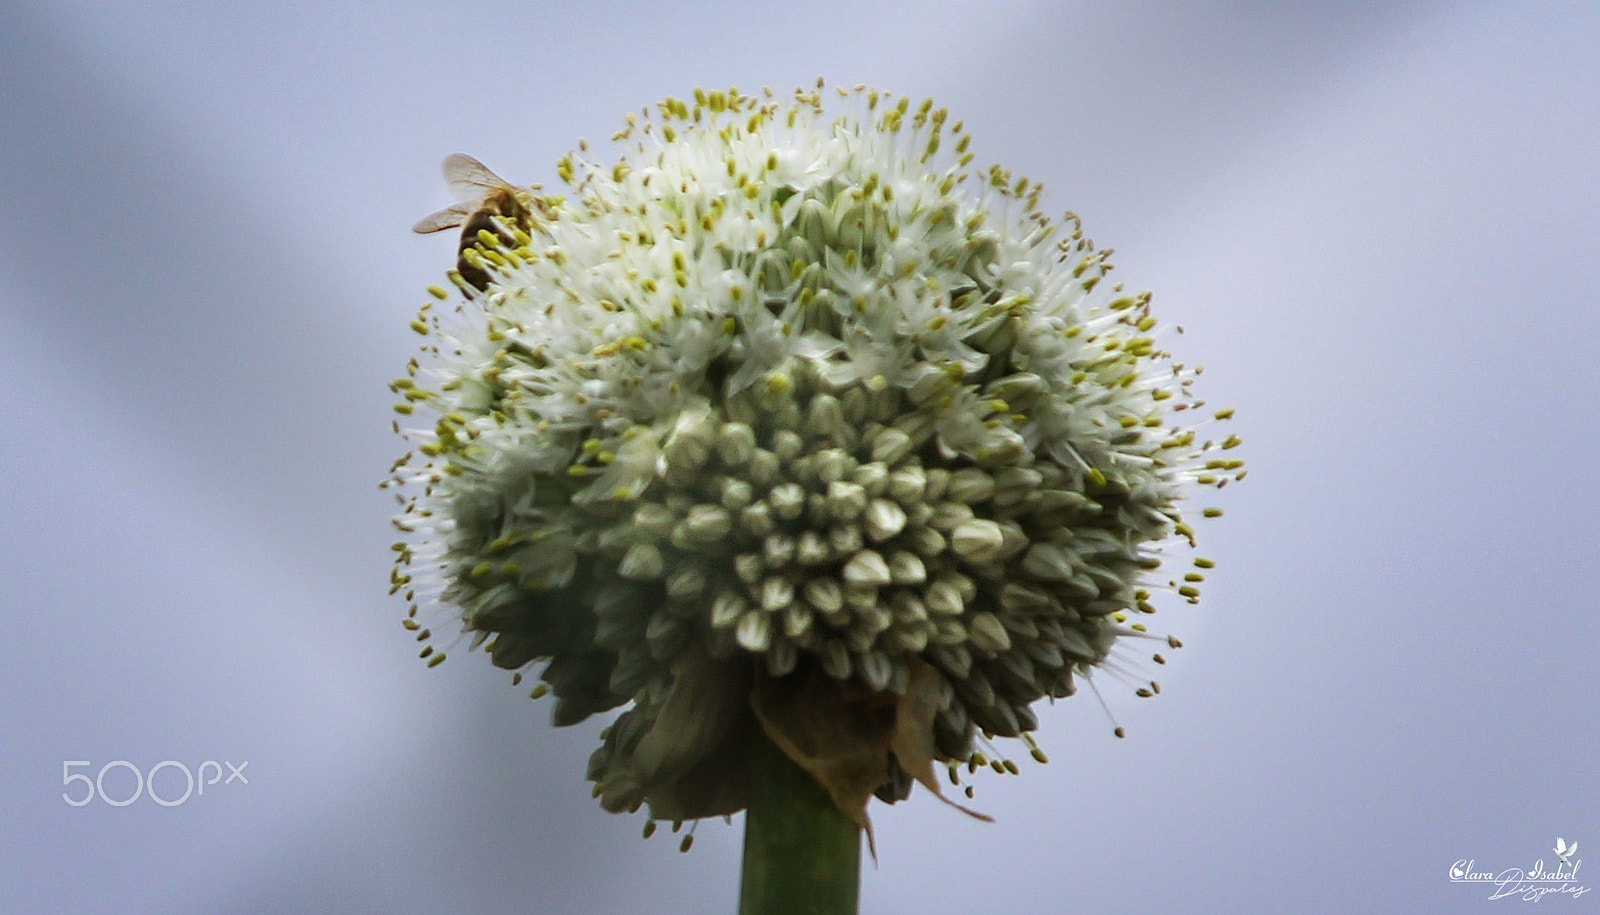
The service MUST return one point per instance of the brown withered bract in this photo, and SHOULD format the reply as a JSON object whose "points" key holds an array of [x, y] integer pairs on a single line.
{"points": [[852, 740], [691, 756], [488, 203]]}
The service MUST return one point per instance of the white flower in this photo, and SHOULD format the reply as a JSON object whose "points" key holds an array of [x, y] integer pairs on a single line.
{"points": [[791, 400]]}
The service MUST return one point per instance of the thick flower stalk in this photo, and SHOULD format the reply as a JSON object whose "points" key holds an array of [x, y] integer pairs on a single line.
{"points": [[791, 420]]}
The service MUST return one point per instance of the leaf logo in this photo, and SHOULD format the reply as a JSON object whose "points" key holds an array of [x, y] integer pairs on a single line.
{"points": [[1565, 851]]}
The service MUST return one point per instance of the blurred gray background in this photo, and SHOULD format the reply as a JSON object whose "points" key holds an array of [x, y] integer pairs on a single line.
{"points": [[1377, 223]]}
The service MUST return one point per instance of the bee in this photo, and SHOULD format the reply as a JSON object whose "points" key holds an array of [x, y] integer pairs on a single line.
{"points": [[488, 203]]}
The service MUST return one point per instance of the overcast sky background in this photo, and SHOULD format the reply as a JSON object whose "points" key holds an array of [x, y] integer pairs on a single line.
{"points": [[1379, 228]]}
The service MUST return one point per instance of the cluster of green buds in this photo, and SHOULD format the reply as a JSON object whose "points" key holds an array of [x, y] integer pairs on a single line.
{"points": [[789, 414]]}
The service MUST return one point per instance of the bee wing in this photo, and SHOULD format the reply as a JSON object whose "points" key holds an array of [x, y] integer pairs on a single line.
{"points": [[468, 178], [470, 181], [447, 218]]}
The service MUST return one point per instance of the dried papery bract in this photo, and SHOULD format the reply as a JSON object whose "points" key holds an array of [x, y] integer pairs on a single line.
{"points": [[850, 738]]}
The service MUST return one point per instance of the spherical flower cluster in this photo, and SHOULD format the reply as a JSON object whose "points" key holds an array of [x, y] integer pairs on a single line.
{"points": [[788, 414]]}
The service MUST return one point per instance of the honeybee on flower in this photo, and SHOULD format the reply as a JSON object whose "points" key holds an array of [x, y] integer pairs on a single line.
{"points": [[489, 210]]}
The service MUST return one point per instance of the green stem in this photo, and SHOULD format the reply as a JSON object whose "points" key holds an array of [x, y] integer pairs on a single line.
{"points": [[801, 855]]}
